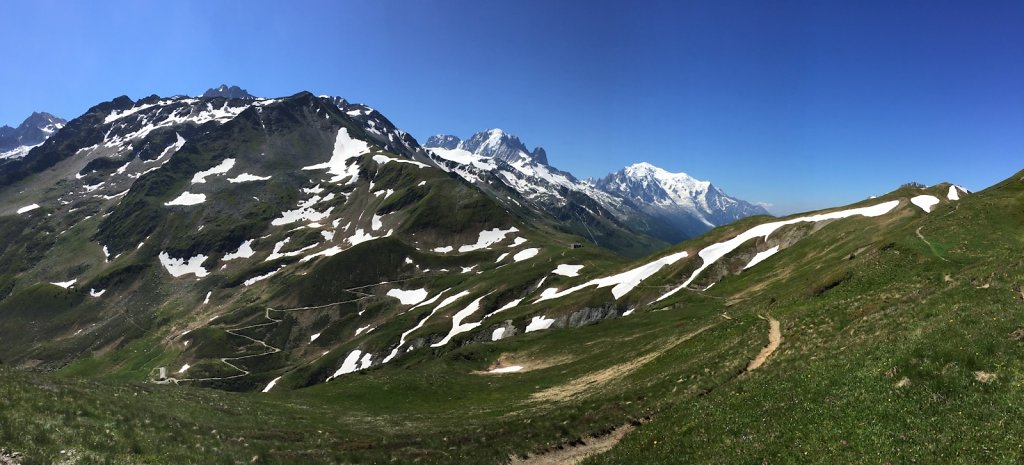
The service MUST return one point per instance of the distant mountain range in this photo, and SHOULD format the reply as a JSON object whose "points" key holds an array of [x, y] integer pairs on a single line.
{"points": [[668, 206]]}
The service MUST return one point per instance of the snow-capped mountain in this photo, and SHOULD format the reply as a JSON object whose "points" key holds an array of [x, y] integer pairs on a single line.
{"points": [[689, 204], [17, 142], [493, 143], [500, 164], [642, 198]]}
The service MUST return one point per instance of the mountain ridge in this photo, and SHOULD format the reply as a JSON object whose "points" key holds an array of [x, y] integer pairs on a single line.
{"points": [[638, 194]]}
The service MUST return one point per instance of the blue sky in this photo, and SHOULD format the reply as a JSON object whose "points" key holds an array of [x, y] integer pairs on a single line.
{"points": [[799, 104]]}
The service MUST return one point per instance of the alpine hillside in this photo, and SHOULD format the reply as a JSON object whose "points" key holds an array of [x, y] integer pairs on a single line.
{"points": [[352, 297]]}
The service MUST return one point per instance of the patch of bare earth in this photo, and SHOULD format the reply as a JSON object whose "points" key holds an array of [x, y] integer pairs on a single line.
{"points": [[9, 457], [526, 362], [774, 339], [574, 454], [984, 377], [585, 383]]}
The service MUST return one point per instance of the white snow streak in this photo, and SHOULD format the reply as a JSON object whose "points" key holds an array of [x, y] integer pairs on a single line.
{"points": [[187, 198], [271, 384], [457, 326], [714, 252], [246, 177], [762, 256], [623, 282], [28, 208]]}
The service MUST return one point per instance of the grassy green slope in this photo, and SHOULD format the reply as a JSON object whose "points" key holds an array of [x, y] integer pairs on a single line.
{"points": [[894, 348], [913, 357]]}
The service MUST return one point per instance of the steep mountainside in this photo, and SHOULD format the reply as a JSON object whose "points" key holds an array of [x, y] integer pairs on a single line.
{"points": [[311, 221], [16, 142]]}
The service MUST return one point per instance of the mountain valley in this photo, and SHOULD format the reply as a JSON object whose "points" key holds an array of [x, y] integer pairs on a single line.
{"points": [[296, 280]]}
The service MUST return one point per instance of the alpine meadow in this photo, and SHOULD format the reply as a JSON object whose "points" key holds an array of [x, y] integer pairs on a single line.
{"points": [[230, 278]]}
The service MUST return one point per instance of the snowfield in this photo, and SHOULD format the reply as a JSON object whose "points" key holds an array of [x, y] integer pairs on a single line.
{"points": [[487, 238], [179, 267], [222, 168], [411, 297], [571, 271], [341, 165], [244, 251], [925, 202], [187, 198], [525, 254], [539, 323]]}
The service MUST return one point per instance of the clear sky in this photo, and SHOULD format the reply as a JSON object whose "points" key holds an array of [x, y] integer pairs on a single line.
{"points": [[801, 104]]}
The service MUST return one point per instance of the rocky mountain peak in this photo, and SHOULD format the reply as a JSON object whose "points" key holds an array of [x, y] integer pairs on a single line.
{"points": [[232, 92], [443, 141], [38, 127], [492, 143]]}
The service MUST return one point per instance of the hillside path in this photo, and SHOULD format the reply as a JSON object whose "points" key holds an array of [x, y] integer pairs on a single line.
{"points": [[774, 339], [930, 246]]}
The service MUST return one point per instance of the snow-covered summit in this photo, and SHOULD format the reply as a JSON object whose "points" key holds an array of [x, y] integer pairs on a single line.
{"points": [[492, 143], [676, 196], [17, 142]]}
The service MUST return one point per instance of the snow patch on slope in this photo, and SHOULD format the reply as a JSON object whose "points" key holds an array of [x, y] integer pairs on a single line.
{"points": [[411, 297], [623, 282], [187, 198], [341, 164], [716, 251], [761, 256], [925, 202], [179, 267]]}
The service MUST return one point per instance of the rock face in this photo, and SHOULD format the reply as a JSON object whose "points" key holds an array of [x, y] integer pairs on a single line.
{"points": [[33, 131], [443, 141], [492, 143], [233, 92]]}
